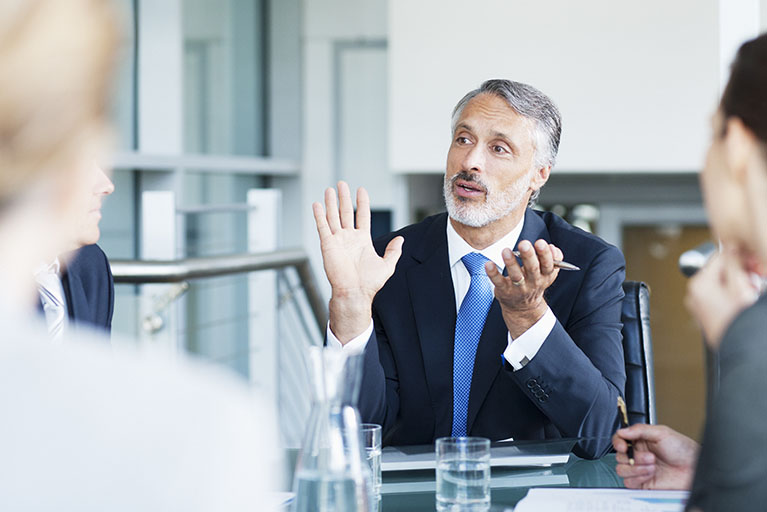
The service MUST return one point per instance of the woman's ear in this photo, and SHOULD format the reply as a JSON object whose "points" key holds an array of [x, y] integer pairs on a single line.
{"points": [[739, 146]]}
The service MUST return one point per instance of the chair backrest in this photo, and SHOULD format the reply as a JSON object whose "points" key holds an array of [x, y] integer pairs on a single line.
{"points": [[637, 349]]}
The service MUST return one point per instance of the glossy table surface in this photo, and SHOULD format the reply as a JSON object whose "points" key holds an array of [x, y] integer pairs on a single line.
{"points": [[414, 490]]}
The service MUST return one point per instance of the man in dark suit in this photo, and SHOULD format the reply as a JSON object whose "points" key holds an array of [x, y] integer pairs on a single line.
{"points": [[465, 340], [78, 286], [89, 288]]}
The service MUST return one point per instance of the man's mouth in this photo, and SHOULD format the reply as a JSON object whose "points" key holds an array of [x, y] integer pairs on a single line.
{"points": [[468, 189]]}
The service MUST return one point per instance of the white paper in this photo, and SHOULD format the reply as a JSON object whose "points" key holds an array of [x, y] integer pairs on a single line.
{"points": [[603, 500]]}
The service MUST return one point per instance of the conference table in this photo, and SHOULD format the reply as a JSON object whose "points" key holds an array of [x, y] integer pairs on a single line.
{"points": [[414, 490]]}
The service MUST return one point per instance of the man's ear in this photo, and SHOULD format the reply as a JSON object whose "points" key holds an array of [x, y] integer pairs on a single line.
{"points": [[739, 146], [540, 177]]}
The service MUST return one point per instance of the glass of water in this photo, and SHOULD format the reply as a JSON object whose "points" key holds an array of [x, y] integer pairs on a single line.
{"points": [[371, 436], [463, 473]]}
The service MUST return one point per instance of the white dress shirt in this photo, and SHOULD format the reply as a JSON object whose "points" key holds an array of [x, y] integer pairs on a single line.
{"points": [[48, 278], [518, 351]]}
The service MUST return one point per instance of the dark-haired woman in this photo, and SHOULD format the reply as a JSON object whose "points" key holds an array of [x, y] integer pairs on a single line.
{"points": [[729, 470]]}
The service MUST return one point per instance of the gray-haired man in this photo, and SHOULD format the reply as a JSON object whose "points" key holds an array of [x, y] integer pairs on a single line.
{"points": [[459, 337]]}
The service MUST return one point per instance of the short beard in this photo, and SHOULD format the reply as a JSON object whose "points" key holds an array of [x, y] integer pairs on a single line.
{"points": [[497, 204]]}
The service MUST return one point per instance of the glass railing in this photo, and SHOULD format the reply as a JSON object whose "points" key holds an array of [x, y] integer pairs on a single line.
{"points": [[255, 314]]}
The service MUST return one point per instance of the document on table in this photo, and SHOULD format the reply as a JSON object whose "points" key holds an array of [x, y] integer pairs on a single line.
{"points": [[604, 500], [514, 454], [406, 484]]}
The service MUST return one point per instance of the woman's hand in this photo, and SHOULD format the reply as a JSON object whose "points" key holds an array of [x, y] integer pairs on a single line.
{"points": [[717, 293]]}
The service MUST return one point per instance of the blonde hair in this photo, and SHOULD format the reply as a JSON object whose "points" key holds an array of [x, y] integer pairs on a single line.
{"points": [[56, 64]]}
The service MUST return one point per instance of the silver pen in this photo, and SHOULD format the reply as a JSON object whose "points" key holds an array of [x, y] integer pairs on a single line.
{"points": [[558, 264]]}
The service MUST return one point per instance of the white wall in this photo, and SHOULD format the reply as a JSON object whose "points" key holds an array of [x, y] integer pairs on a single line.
{"points": [[635, 81], [344, 108], [763, 15], [345, 19], [739, 21]]}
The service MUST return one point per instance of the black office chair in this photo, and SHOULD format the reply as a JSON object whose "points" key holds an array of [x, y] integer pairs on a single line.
{"points": [[637, 348]]}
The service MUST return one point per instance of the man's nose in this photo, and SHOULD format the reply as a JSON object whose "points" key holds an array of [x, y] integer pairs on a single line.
{"points": [[105, 185], [474, 160], [109, 187]]}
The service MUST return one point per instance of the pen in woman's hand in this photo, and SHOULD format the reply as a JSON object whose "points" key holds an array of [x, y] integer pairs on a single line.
{"points": [[624, 417]]}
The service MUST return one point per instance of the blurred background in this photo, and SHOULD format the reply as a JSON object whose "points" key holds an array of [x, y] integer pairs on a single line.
{"points": [[232, 117]]}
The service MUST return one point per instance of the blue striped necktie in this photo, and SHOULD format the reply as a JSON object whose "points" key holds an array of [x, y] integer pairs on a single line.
{"points": [[468, 329]]}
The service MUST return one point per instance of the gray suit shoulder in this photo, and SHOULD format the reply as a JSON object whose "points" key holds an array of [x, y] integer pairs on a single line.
{"points": [[747, 335]]}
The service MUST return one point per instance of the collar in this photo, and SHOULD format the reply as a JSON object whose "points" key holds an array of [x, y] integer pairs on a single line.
{"points": [[49, 268], [457, 247]]}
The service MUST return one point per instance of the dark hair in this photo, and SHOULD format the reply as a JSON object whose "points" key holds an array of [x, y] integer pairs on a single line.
{"points": [[745, 96]]}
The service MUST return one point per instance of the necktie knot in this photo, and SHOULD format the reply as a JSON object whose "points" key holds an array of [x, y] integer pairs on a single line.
{"points": [[475, 263]]}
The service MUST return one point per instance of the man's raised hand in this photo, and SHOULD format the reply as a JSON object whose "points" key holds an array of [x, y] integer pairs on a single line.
{"points": [[352, 266]]}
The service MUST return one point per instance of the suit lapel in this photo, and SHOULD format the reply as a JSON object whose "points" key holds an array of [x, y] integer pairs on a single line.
{"points": [[534, 228], [74, 295], [493, 340], [433, 299]]}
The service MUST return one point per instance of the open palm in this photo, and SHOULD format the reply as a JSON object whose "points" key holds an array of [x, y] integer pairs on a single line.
{"points": [[355, 271]]}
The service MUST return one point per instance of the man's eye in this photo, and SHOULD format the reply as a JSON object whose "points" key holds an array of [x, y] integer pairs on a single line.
{"points": [[462, 140], [499, 149]]}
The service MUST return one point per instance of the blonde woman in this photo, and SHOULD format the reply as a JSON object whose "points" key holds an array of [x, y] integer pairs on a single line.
{"points": [[85, 427]]}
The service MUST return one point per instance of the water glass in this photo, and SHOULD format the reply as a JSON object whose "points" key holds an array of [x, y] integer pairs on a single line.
{"points": [[463, 473], [371, 437]]}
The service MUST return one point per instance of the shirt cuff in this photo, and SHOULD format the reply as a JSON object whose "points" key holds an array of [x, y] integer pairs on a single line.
{"points": [[521, 351], [355, 346]]}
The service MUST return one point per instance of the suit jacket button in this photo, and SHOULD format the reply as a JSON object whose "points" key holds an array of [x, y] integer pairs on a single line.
{"points": [[531, 383]]}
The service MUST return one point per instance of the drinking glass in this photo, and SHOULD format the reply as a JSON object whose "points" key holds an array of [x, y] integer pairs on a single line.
{"points": [[371, 438], [463, 474]]}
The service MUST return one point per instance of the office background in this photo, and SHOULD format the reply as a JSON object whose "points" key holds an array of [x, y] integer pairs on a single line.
{"points": [[232, 116]]}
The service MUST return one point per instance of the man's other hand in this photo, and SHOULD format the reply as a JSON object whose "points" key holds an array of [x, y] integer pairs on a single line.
{"points": [[520, 293]]}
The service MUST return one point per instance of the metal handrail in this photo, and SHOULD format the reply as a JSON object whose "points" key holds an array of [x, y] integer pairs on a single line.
{"points": [[176, 271]]}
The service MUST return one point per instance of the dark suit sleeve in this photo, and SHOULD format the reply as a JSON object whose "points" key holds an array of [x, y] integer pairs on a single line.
{"points": [[578, 373], [110, 294], [379, 400], [89, 288]]}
